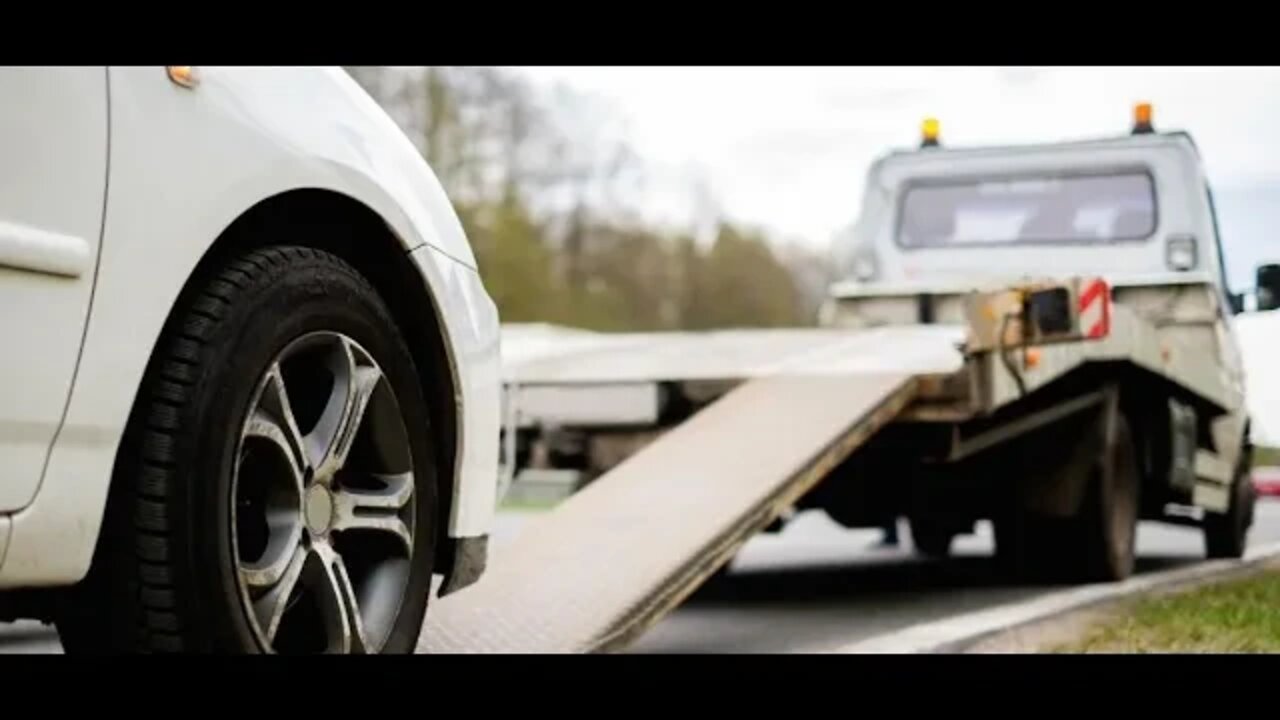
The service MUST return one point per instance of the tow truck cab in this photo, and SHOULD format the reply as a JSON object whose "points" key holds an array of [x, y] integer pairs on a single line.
{"points": [[1136, 209]]}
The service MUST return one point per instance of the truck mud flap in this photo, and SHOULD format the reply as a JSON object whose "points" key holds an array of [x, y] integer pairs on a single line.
{"points": [[610, 561]]}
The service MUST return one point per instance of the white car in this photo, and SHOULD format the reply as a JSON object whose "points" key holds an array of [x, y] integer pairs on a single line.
{"points": [[249, 376]]}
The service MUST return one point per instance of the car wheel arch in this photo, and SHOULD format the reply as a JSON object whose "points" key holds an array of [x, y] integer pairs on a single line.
{"points": [[349, 228]]}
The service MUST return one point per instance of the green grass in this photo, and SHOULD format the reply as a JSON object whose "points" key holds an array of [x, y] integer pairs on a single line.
{"points": [[1263, 455], [1237, 616]]}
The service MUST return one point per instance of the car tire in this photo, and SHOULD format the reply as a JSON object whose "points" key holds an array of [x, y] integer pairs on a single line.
{"points": [[227, 530]]}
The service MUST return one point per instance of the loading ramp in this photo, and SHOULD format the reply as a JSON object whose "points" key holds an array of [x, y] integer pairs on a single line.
{"points": [[611, 560]]}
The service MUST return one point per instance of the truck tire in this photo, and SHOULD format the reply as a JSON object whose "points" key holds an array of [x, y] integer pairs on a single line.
{"points": [[275, 488], [1096, 543], [1226, 534], [1106, 526], [1031, 547], [930, 538]]}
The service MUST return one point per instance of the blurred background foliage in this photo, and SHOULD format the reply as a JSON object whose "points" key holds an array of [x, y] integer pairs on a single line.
{"points": [[540, 194]]}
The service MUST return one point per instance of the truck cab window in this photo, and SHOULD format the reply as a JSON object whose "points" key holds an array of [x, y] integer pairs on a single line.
{"points": [[1097, 208]]}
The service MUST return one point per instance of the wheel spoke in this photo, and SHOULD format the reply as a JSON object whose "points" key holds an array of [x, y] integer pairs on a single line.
{"points": [[262, 425], [270, 608], [273, 419], [355, 378], [346, 591], [376, 509], [339, 604]]}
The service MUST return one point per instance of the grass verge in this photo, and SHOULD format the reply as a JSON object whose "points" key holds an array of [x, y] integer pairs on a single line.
{"points": [[1229, 616]]}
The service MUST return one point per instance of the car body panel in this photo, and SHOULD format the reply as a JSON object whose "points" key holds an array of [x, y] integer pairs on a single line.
{"points": [[185, 163], [52, 183], [475, 332]]}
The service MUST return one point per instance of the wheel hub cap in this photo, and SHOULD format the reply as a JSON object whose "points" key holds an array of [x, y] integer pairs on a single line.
{"points": [[319, 510]]}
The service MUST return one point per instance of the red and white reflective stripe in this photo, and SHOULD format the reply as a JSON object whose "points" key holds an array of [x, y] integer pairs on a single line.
{"points": [[1095, 308]]}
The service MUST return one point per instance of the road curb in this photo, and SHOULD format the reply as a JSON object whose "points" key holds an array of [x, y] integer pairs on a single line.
{"points": [[956, 633]]}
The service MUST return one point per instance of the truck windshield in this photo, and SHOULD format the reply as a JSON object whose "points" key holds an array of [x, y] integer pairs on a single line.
{"points": [[1097, 208]]}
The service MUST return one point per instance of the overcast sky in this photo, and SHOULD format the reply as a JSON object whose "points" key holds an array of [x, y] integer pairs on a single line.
{"points": [[786, 148]]}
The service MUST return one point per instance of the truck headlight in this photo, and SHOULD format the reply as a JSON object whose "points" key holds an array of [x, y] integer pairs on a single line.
{"points": [[1180, 252], [864, 266]]}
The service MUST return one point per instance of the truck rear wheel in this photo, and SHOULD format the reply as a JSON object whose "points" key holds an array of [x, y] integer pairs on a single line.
{"points": [[931, 538], [1032, 547], [1097, 542], [1105, 528]]}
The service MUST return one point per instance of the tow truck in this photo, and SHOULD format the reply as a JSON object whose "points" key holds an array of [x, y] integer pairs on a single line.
{"points": [[1038, 336]]}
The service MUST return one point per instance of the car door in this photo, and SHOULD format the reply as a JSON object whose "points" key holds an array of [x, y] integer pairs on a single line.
{"points": [[53, 170]]}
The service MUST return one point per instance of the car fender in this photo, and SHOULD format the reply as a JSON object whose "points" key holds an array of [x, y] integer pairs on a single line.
{"points": [[185, 162]]}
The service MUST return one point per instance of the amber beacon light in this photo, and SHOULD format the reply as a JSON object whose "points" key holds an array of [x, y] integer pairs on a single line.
{"points": [[1142, 119], [929, 132]]}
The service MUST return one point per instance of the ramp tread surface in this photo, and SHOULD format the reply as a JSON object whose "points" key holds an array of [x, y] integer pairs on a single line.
{"points": [[614, 557]]}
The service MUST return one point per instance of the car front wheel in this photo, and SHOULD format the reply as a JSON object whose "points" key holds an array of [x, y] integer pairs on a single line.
{"points": [[275, 490]]}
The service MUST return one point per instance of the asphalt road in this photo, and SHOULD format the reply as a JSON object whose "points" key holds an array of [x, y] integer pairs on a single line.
{"points": [[816, 586]]}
